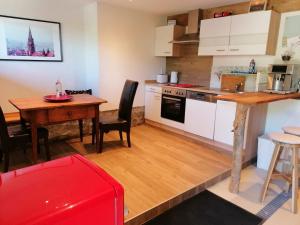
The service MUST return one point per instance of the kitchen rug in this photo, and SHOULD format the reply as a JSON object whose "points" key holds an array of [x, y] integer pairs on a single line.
{"points": [[206, 208]]}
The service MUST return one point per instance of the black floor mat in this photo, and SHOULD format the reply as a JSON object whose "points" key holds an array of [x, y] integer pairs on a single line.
{"points": [[206, 208]]}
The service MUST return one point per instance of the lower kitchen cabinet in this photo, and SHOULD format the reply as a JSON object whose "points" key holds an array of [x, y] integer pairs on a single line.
{"points": [[153, 103], [200, 118], [225, 115]]}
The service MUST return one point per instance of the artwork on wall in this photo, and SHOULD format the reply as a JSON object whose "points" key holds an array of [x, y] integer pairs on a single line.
{"points": [[257, 5], [25, 39]]}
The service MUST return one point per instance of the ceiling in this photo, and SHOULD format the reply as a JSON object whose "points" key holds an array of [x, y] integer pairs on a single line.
{"points": [[169, 7]]}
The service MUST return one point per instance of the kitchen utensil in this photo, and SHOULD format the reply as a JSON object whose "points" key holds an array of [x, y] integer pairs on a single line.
{"points": [[174, 77], [162, 78], [218, 14], [226, 13], [54, 98], [278, 84]]}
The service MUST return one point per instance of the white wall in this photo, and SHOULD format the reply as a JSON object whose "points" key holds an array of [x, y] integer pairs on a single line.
{"points": [[126, 51], [279, 113], [23, 79], [92, 47]]}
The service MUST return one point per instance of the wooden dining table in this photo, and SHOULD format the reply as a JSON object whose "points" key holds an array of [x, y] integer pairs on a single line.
{"points": [[38, 112]]}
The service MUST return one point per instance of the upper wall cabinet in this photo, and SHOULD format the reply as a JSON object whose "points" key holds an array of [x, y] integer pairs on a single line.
{"points": [[214, 36], [249, 34], [164, 35]]}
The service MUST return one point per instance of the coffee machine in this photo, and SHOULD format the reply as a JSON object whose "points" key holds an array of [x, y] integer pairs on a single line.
{"points": [[283, 78]]}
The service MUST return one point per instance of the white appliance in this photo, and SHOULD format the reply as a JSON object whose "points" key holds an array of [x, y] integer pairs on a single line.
{"points": [[162, 78], [174, 77]]}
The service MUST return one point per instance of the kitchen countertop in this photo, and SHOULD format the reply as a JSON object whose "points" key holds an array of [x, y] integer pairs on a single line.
{"points": [[209, 90], [248, 98], [253, 98]]}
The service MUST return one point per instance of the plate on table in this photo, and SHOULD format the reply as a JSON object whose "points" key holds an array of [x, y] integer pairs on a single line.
{"points": [[54, 98]]}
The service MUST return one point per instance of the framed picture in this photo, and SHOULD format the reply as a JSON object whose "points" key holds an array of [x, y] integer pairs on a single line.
{"points": [[23, 39], [257, 5]]}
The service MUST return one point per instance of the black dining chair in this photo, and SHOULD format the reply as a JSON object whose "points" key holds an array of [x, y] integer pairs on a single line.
{"points": [[18, 135], [80, 122], [123, 122]]}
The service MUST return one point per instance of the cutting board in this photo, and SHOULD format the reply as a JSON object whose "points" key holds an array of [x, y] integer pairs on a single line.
{"points": [[229, 82]]}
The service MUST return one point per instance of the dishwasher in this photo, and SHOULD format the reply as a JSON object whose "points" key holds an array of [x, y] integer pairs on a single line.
{"points": [[200, 113]]}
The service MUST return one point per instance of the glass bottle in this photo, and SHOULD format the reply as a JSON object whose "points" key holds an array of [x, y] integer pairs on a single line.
{"points": [[58, 87]]}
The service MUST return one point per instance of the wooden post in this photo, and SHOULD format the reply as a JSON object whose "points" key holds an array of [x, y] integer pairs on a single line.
{"points": [[34, 140], [295, 183], [97, 133], [239, 131]]}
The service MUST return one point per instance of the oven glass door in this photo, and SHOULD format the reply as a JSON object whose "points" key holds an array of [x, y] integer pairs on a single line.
{"points": [[173, 108]]}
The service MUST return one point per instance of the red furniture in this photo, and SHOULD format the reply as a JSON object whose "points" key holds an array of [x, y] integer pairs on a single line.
{"points": [[66, 191]]}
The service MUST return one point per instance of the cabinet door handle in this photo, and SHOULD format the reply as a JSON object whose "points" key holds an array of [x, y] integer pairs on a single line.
{"points": [[167, 52], [234, 49], [220, 50], [174, 99]]}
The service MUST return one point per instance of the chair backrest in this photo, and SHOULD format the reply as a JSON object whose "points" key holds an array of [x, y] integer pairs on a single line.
{"points": [[77, 92], [4, 137], [127, 99]]}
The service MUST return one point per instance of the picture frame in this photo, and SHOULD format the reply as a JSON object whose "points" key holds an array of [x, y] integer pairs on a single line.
{"points": [[24, 39], [258, 5]]}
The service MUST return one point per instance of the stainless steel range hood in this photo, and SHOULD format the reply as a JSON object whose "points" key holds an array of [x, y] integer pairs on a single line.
{"points": [[192, 33]]}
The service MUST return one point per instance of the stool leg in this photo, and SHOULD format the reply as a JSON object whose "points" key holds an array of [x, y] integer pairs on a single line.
{"points": [[295, 181], [270, 172]]}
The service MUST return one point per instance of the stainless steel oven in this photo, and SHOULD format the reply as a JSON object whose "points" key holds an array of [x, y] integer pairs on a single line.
{"points": [[173, 104]]}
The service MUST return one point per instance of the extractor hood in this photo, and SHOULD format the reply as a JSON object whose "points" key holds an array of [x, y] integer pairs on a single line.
{"points": [[192, 32]]}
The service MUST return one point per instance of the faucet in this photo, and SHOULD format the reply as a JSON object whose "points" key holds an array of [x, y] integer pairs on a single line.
{"points": [[238, 87]]}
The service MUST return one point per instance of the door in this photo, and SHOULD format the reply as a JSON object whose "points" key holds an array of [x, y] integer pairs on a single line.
{"points": [[214, 36], [200, 118], [249, 33], [164, 35], [173, 108], [153, 106], [225, 115]]}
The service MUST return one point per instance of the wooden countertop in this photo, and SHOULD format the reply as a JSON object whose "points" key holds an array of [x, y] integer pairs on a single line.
{"points": [[201, 89], [252, 98]]}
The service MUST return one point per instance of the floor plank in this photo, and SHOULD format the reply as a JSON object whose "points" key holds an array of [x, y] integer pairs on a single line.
{"points": [[160, 170]]}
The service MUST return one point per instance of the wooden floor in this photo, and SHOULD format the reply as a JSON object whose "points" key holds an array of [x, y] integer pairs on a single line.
{"points": [[160, 170]]}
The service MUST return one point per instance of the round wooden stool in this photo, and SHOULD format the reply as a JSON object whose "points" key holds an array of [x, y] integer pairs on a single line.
{"points": [[292, 130], [282, 141]]}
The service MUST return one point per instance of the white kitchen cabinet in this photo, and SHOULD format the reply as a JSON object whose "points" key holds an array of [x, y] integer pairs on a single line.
{"points": [[245, 34], [214, 36], [225, 115], [164, 35], [200, 118], [153, 103], [254, 33]]}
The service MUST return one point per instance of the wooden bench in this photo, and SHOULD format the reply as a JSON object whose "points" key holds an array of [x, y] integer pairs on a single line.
{"points": [[12, 118]]}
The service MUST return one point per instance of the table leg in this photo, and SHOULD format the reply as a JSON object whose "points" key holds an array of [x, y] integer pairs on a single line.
{"points": [[97, 128], [34, 140], [239, 131]]}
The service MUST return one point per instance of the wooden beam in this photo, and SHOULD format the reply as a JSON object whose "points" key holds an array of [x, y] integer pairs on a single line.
{"points": [[239, 132]]}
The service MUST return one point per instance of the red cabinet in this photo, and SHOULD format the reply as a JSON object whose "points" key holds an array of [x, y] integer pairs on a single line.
{"points": [[66, 191]]}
